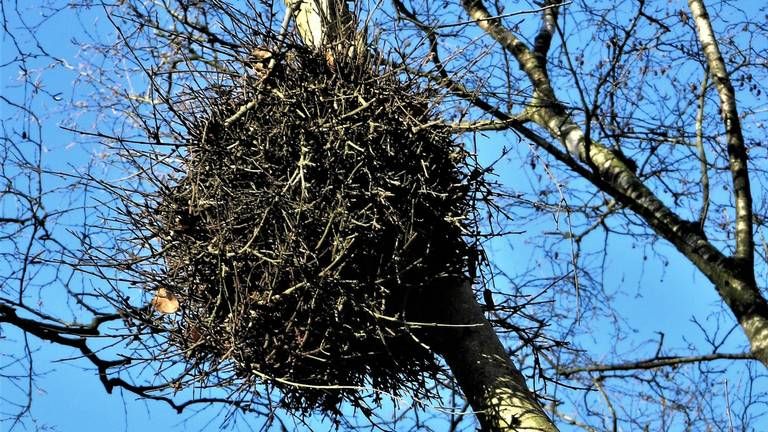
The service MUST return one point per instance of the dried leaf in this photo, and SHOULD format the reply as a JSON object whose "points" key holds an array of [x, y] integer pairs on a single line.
{"points": [[165, 302]]}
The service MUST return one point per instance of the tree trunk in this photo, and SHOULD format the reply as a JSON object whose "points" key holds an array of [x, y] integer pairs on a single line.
{"points": [[327, 26], [480, 364]]}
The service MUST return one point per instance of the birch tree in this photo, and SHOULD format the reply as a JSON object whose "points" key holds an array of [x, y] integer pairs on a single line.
{"points": [[636, 123], [733, 275]]}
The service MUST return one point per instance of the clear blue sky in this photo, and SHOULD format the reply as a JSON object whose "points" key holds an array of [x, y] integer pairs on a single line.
{"points": [[71, 399]]}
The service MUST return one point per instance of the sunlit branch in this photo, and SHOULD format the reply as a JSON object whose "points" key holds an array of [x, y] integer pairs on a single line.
{"points": [[614, 418], [735, 285], [702, 152], [656, 362], [737, 154]]}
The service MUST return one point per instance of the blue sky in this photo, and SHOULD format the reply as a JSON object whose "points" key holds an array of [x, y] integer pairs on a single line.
{"points": [[652, 297]]}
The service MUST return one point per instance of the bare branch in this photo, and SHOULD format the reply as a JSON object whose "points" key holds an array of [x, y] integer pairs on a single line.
{"points": [[544, 8], [657, 362], [548, 24], [737, 154], [702, 152]]}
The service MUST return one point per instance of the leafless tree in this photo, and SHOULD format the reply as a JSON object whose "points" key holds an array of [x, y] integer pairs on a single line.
{"points": [[639, 124]]}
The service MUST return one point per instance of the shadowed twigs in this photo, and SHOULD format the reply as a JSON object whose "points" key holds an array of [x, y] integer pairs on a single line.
{"points": [[305, 232]]}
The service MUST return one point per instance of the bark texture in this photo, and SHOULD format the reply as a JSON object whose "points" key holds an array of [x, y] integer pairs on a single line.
{"points": [[492, 384], [733, 276], [328, 26]]}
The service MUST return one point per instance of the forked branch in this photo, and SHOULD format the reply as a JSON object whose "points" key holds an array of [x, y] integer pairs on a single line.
{"points": [[733, 276], [737, 153]]}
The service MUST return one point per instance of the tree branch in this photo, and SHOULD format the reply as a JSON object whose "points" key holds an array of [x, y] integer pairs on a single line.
{"points": [[74, 336], [656, 362], [543, 40], [733, 277], [428, 31], [702, 153], [552, 5], [737, 154]]}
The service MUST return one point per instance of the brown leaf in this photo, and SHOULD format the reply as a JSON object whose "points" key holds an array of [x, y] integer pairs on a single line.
{"points": [[260, 54], [165, 302]]}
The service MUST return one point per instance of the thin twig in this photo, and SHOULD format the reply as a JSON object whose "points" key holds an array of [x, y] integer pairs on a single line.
{"points": [[657, 362], [506, 15]]}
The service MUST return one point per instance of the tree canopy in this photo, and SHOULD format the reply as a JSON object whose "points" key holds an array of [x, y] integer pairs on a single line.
{"points": [[582, 184]]}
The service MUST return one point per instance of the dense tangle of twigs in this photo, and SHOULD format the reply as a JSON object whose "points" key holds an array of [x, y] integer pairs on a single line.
{"points": [[315, 211]]}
